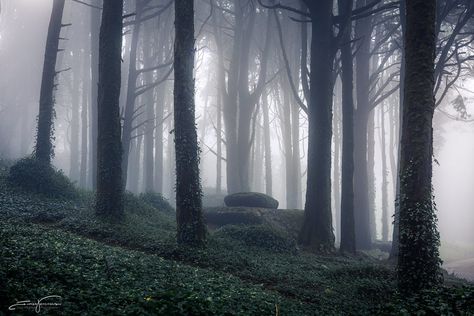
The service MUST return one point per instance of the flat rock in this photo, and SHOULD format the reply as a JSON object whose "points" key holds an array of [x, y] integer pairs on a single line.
{"points": [[250, 199]]}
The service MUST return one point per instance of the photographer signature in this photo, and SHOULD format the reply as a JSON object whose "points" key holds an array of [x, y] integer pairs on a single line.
{"points": [[37, 305]]}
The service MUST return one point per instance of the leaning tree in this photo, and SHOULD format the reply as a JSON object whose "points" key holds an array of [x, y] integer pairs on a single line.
{"points": [[44, 141]]}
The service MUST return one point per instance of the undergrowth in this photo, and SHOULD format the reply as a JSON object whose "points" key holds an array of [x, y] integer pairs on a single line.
{"points": [[51, 245]]}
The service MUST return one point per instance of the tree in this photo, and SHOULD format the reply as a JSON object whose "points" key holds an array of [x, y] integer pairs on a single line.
{"points": [[317, 232], [109, 196], [418, 259], [44, 145], [94, 93], [190, 225], [363, 31], [347, 182]]}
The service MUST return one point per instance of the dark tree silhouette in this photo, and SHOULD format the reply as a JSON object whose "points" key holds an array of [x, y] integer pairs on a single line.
{"points": [[347, 181], [109, 197], [191, 229], [94, 47], [44, 144], [317, 232], [418, 259]]}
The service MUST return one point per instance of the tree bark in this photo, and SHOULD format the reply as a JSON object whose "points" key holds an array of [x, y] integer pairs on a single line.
{"points": [[94, 94], [109, 197], [190, 225], [418, 258], [361, 197], [267, 147], [384, 177], [347, 179], [44, 147], [317, 232]]}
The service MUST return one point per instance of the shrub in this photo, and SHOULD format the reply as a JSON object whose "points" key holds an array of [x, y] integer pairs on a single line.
{"points": [[261, 236], [157, 200], [33, 176]]}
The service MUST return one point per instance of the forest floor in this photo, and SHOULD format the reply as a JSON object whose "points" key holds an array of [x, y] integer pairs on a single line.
{"points": [[52, 246]]}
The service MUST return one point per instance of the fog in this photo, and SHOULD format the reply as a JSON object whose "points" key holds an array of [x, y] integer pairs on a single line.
{"points": [[23, 31]]}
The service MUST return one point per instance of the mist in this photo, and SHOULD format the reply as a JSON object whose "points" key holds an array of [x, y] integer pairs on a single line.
{"points": [[270, 111]]}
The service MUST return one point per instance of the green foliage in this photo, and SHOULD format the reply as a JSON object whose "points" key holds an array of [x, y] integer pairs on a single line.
{"points": [[94, 279], [158, 201], [440, 301], [135, 267], [33, 176], [419, 263], [260, 236]]}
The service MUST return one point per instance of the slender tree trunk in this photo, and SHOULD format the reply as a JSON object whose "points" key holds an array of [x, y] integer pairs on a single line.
{"points": [[190, 225], [396, 229], [361, 196], [268, 148], [159, 160], [131, 92], [84, 132], [418, 258], [371, 171], [148, 160], [384, 176], [94, 94], [317, 232], [109, 197], [75, 124], [219, 143], [295, 127], [336, 188], [44, 146], [347, 181]]}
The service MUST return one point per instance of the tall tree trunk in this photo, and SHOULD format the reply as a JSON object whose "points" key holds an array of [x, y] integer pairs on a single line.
{"points": [[84, 131], [75, 124], [267, 147], [219, 143], [336, 186], [317, 232], [347, 180], [148, 160], [418, 258], [159, 160], [363, 31], [44, 146], [109, 197], [94, 94], [190, 225], [396, 229], [131, 91], [371, 171], [384, 176], [295, 135]]}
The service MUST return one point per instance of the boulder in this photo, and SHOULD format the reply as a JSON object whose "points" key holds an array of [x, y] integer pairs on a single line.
{"points": [[250, 199]]}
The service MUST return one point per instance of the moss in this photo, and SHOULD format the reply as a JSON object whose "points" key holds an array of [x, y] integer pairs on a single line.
{"points": [[33, 176]]}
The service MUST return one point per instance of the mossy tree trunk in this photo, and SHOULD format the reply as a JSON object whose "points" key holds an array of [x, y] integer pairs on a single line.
{"points": [[44, 137], [190, 225], [418, 259], [109, 197]]}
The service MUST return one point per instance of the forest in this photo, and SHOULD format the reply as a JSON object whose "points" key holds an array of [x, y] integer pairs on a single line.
{"points": [[236, 157]]}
